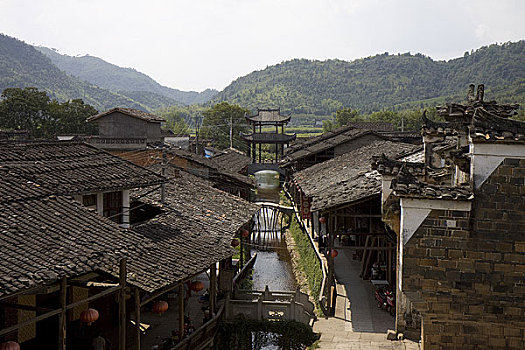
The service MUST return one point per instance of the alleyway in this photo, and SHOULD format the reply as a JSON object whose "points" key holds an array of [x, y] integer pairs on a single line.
{"points": [[358, 323]]}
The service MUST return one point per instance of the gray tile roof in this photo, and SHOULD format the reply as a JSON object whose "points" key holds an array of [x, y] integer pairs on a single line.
{"points": [[232, 160], [70, 168], [322, 142], [135, 113], [348, 177], [45, 239]]}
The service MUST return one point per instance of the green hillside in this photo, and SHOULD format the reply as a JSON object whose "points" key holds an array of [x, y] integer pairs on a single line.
{"points": [[123, 80], [21, 65], [384, 81]]}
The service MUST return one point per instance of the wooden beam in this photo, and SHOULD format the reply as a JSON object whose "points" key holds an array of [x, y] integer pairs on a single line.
{"points": [[122, 305], [360, 215], [137, 318], [58, 311], [25, 307], [30, 321], [181, 311], [62, 317], [364, 247], [213, 288]]}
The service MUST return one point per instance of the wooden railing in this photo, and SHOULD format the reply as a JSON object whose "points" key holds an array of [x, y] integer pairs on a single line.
{"points": [[244, 271], [203, 336]]}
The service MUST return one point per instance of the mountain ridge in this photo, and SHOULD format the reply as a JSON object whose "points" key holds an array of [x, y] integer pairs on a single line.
{"points": [[384, 81], [120, 79]]}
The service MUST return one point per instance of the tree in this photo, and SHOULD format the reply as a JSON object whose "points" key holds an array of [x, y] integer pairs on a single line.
{"points": [[25, 109], [345, 116], [32, 110], [217, 123], [70, 117]]}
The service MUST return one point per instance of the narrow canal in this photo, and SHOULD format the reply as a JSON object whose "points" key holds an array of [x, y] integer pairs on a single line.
{"points": [[273, 267]]}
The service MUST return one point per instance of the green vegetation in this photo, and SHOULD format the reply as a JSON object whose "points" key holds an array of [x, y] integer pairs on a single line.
{"points": [[21, 65], [32, 110], [126, 81], [219, 119], [245, 334], [394, 82], [307, 259]]}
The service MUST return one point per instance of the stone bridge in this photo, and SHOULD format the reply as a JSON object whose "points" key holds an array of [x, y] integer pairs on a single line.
{"points": [[273, 306]]}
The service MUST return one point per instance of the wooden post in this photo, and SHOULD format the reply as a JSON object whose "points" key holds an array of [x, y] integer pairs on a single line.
{"points": [[181, 310], [213, 288], [62, 317], [137, 318], [122, 305], [330, 260]]}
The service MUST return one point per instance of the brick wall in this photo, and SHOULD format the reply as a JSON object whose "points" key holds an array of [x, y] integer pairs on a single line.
{"points": [[465, 272]]}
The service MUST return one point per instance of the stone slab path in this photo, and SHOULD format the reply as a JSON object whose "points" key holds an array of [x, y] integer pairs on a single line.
{"points": [[358, 323]]}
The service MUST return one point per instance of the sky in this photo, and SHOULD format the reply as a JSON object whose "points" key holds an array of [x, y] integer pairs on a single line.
{"points": [[199, 44]]}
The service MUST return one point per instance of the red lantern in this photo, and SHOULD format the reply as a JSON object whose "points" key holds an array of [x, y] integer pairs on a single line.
{"points": [[160, 307], [235, 242], [245, 233], [334, 253], [322, 220], [197, 286], [89, 316], [10, 345]]}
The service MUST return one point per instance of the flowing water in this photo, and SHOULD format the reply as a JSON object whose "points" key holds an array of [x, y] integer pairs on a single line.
{"points": [[272, 267]]}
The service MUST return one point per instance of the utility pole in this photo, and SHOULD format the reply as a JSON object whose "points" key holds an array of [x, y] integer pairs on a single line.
{"points": [[163, 186], [197, 126], [231, 131]]}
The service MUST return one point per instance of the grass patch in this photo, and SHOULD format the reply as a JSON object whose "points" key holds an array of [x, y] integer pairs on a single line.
{"points": [[308, 261]]}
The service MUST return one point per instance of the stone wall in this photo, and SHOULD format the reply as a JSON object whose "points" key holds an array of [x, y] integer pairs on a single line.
{"points": [[464, 271]]}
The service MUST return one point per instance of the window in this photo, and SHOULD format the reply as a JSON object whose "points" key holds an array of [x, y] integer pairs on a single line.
{"points": [[90, 201], [113, 206]]}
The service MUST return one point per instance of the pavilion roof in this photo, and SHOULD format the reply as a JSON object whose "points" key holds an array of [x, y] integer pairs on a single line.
{"points": [[268, 116], [268, 137]]}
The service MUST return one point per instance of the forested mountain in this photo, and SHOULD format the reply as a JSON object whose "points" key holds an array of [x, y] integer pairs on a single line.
{"points": [[384, 81], [21, 65], [123, 80]]}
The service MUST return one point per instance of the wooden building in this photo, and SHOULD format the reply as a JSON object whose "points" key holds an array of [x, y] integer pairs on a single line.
{"points": [[340, 202], [126, 129], [63, 258]]}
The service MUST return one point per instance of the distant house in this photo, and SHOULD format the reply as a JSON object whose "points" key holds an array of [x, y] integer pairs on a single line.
{"points": [[317, 149], [126, 128]]}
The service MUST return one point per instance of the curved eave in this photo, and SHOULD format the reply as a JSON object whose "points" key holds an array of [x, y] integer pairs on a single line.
{"points": [[268, 138], [256, 119]]}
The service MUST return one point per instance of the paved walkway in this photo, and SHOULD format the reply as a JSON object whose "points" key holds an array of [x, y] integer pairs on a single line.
{"points": [[358, 323]]}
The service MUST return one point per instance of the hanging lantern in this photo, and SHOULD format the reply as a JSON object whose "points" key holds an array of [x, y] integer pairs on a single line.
{"points": [[334, 253], [10, 345], [235, 242], [322, 220], [197, 286], [245, 233], [160, 307], [89, 316]]}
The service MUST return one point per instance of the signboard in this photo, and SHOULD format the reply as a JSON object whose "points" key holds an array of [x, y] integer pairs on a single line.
{"points": [[305, 207]]}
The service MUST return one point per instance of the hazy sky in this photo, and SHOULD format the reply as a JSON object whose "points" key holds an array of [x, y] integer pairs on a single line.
{"points": [[196, 44]]}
